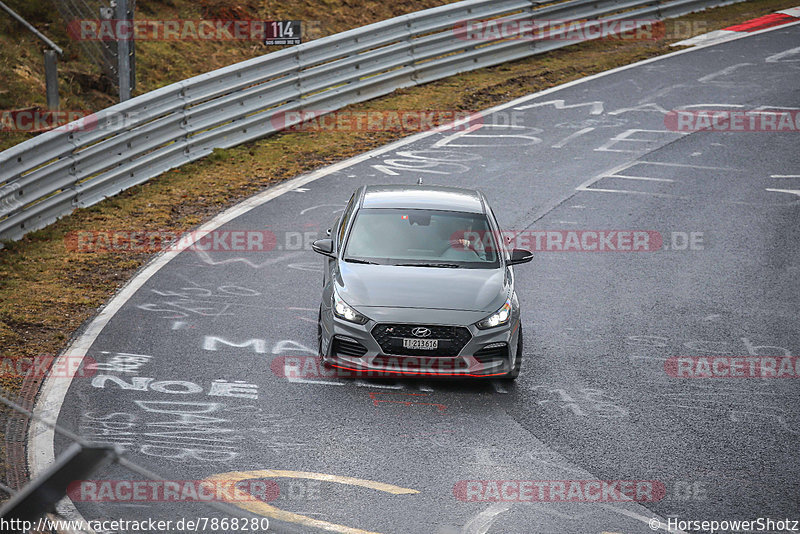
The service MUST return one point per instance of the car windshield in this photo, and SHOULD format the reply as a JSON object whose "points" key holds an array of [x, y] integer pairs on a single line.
{"points": [[423, 238]]}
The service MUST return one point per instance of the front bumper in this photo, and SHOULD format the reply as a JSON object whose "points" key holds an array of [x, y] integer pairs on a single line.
{"points": [[487, 353]]}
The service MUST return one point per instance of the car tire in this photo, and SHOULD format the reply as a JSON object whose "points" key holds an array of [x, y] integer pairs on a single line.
{"points": [[319, 338], [514, 373]]}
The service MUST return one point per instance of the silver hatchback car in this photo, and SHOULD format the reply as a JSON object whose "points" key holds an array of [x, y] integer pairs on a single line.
{"points": [[417, 282]]}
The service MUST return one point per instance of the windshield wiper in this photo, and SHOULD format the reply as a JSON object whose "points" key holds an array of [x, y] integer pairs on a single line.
{"points": [[445, 265], [356, 260]]}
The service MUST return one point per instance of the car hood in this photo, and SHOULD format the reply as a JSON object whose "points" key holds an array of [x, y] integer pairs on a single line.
{"points": [[483, 290]]}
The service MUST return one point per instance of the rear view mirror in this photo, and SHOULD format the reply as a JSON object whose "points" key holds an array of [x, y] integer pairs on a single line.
{"points": [[323, 246], [519, 255]]}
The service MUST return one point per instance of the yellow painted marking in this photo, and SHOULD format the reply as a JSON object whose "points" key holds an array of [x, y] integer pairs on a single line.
{"points": [[262, 508]]}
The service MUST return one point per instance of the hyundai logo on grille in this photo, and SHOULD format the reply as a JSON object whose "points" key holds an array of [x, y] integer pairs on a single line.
{"points": [[421, 331]]}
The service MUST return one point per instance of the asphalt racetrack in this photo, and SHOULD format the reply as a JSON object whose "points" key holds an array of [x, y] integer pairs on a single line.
{"points": [[208, 367]]}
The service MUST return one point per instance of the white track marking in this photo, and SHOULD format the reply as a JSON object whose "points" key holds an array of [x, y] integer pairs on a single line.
{"points": [[776, 58], [586, 186], [569, 138], [687, 165], [709, 78], [206, 258], [296, 380], [340, 206], [41, 452], [597, 106], [717, 36], [481, 522], [644, 178], [365, 384], [790, 191]]}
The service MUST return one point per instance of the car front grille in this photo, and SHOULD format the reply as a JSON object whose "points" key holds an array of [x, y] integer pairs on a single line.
{"points": [[348, 347], [451, 339]]}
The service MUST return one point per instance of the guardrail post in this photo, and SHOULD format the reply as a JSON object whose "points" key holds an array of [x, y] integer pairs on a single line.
{"points": [[123, 54], [51, 78]]}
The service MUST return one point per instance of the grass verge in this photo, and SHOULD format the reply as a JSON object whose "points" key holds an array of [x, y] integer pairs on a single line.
{"points": [[83, 85]]}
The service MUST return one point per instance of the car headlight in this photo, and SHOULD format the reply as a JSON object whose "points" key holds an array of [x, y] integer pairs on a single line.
{"points": [[498, 318], [344, 311]]}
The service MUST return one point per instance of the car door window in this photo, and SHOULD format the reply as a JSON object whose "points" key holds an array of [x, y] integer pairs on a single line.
{"points": [[348, 212]]}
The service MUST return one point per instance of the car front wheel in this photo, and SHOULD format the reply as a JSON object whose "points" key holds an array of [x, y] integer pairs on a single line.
{"points": [[514, 373]]}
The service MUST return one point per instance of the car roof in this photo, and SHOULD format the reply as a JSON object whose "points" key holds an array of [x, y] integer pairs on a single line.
{"points": [[431, 197]]}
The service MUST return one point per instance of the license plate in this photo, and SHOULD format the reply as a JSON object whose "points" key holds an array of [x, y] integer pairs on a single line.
{"points": [[424, 344]]}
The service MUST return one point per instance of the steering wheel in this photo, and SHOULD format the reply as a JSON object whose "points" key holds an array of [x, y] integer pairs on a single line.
{"points": [[464, 244]]}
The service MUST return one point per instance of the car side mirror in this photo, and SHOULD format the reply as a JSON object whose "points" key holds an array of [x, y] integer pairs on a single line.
{"points": [[324, 247], [519, 255]]}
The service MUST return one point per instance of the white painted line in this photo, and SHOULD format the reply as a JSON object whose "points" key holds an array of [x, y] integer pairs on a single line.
{"points": [[206, 258], [296, 380], [41, 451], [784, 175], [720, 36], [790, 191], [709, 78], [468, 130], [586, 186], [569, 138], [597, 106], [482, 521], [643, 178], [633, 515], [716, 36], [704, 106], [687, 165], [626, 192], [365, 384], [777, 58]]}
